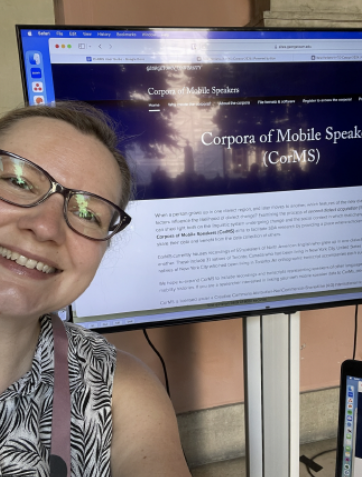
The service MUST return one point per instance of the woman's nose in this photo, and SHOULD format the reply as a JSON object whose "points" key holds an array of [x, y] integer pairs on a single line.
{"points": [[46, 220]]}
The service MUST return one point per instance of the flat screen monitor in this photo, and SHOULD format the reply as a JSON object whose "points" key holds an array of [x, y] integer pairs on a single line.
{"points": [[245, 146]]}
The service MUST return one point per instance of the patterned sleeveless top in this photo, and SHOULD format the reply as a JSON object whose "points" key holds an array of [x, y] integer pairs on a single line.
{"points": [[26, 408]]}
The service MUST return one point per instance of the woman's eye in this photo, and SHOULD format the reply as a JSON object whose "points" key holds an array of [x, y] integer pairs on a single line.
{"points": [[87, 215], [20, 183]]}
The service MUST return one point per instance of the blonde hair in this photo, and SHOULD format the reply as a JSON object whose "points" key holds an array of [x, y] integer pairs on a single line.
{"points": [[84, 118]]}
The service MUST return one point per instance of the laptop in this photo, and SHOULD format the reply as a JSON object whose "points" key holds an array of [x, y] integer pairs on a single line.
{"points": [[349, 440]]}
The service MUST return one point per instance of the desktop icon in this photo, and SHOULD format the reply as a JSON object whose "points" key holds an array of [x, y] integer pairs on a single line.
{"points": [[350, 406], [348, 448], [38, 100], [347, 466], [346, 472], [89, 58], [350, 394], [34, 59], [35, 72], [349, 412], [350, 389], [347, 454], [37, 86], [350, 400]]}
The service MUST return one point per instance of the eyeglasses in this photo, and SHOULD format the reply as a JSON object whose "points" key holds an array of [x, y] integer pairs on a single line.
{"points": [[25, 184]]}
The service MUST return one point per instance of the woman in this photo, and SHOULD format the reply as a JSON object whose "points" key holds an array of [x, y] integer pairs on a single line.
{"points": [[52, 240]]}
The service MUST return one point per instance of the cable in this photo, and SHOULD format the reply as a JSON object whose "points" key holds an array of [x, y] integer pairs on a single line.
{"points": [[160, 358], [314, 457], [309, 472], [355, 332], [322, 453], [165, 374]]}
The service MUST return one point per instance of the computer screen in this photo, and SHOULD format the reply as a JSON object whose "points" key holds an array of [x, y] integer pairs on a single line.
{"points": [[352, 428], [349, 438], [245, 148]]}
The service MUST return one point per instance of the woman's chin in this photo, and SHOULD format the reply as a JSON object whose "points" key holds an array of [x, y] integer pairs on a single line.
{"points": [[16, 303]]}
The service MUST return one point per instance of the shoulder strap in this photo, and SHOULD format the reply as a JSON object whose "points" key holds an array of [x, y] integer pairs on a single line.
{"points": [[60, 444]]}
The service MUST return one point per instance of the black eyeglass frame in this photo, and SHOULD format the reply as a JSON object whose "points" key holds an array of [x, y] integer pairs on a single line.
{"points": [[57, 188]]}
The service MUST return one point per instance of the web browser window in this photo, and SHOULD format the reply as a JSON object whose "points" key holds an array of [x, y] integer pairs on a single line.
{"points": [[245, 146]]}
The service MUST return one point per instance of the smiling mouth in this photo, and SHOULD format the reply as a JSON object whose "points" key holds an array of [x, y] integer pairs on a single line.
{"points": [[26, 262]]}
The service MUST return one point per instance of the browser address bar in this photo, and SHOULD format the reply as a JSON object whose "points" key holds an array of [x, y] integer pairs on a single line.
{"points": [[269, 46]]}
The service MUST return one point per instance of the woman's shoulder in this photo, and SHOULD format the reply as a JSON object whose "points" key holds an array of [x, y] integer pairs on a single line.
{"points": [[88, 339], [145, 434], [90, 351]]}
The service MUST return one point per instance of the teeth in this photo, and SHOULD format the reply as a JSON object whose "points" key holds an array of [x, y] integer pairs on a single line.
{"points": [[21, 260], [26, 262], [39, 266], [31, 264]]}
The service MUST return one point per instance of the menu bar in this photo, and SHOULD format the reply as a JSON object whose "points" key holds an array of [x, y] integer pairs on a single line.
{"points": [[28, 31]]}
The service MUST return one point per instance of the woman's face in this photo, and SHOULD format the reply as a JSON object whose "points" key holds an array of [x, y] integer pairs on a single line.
{"points": [[76, 161]]}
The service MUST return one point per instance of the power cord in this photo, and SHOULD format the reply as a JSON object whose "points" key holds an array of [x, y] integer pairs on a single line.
{"points": [[165, 374], [310, 464], [160, 358]]}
